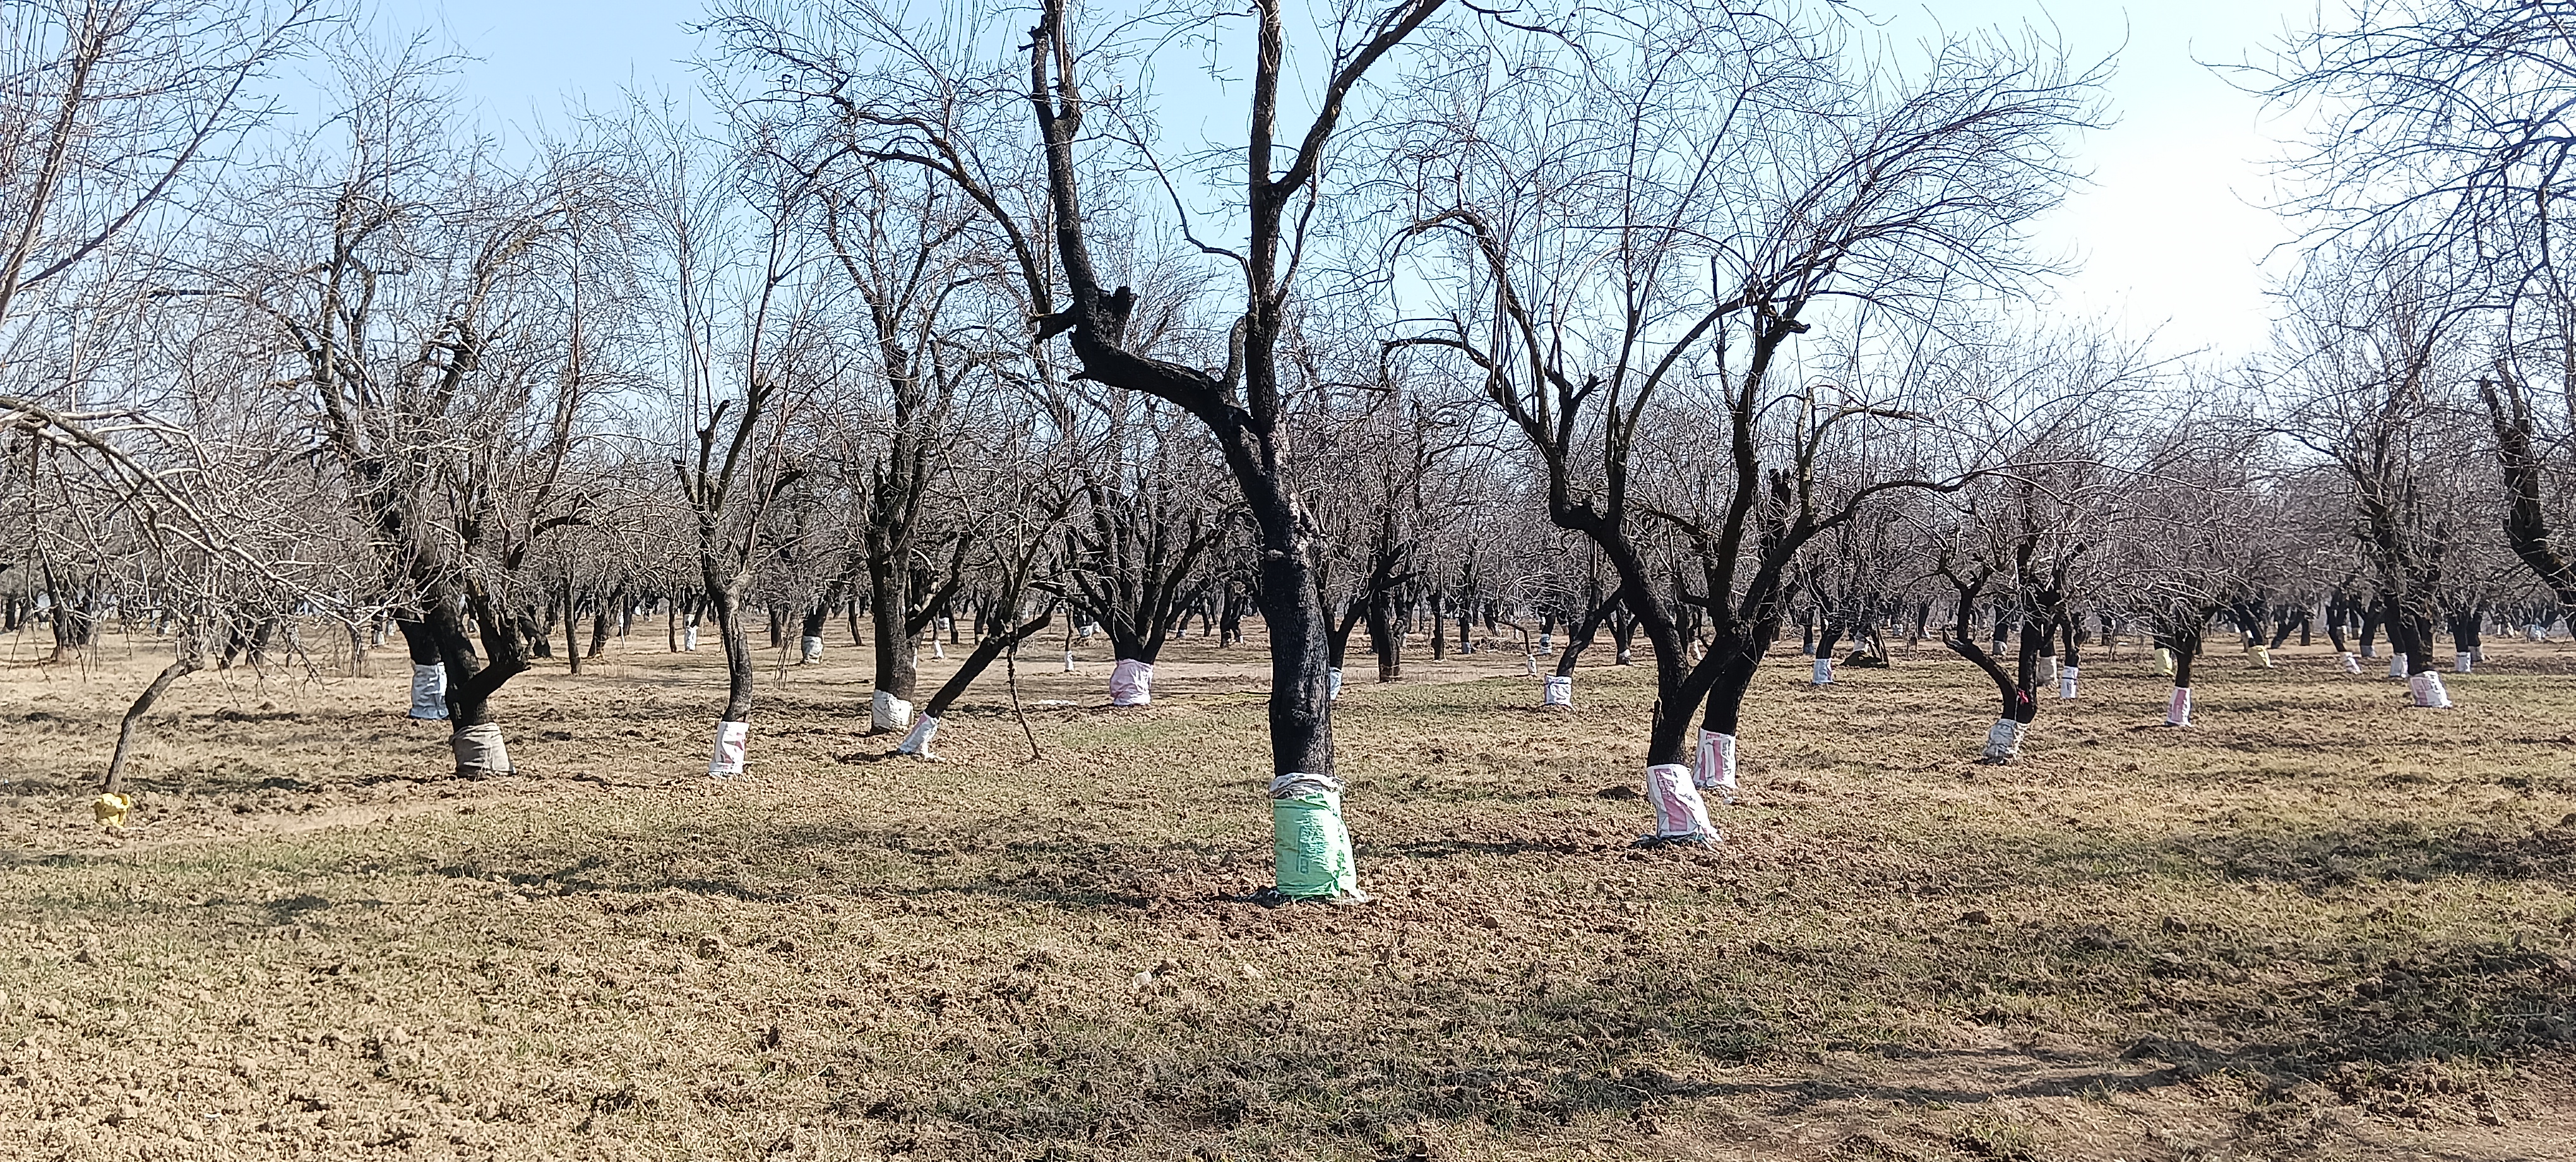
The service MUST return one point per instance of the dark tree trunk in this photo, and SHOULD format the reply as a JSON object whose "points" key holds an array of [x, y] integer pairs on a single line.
{"points": [[724, 599], [1385, 640], [2526, 524], [114, 783], [1579, 636], [1338, 634], [988, 650], [572, 624]]}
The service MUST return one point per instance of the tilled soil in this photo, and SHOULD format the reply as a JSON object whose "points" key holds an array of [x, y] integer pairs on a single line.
{"points": [[2313, 925]]}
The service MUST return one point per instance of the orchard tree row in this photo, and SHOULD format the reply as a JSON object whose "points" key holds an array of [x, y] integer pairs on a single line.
{"points": [[1435, 327]]}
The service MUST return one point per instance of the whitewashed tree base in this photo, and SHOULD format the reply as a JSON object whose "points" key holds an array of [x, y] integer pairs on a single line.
{"points": [[1713, 764], [2003, 741], [917, 744], [1131, 683], [480, 751], [732, 740], [429, 692], [887, 712], [1680, 814]]}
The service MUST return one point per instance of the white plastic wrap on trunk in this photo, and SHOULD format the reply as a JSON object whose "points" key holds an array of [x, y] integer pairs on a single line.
{"points": [[2164, 661], [2397, 665], [2428, 692], [689, 639], [1530, 661], [2001, 644], [2178, 707], [2369, 651], [2066, 683], [2048, 667], [1546, 644], [917, 743], [2351, 664], [1131, 683], [938, 652], [1823, 672], [1289, 786], [810, 649], [479, 750], [1557, 691], [732, 738], [1623, 655], [2003, 740], [1068, 661], [2535, 632], [1333, 684], [429, 691], [1680, 813], [887, 712], [2463, 662], [1083, 631], [1713, 765]]}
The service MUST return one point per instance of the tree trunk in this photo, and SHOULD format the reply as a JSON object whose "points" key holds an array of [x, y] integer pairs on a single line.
{"points": [[1384, 639], [897, 673], [987, 651], [572, 626], [114, 783], [1301, 708]]}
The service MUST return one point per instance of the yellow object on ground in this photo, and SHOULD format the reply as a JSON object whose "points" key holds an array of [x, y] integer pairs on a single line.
{"points": [[111, 809], [2262, 655], [2164, 661]]}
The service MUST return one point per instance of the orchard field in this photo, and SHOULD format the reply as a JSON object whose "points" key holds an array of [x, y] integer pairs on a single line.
{"points": [[2315, 924]]}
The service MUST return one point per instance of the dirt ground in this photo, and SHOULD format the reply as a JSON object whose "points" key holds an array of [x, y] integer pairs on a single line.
{"points": [[2314, 925]]}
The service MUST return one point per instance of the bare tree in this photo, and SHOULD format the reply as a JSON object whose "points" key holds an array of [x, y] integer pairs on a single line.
{"points": [[2375, 396], [1728, 148], [384, 281], [2445, 133]]}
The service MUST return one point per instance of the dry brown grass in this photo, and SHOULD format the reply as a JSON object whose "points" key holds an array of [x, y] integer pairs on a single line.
{"points": [[2315, 925]]}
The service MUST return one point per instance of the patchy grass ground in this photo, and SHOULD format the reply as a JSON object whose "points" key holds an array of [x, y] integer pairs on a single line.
{"points": [[2314, 925]]}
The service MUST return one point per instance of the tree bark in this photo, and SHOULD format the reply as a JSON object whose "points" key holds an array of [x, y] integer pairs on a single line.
{"points": [[114, 783]]}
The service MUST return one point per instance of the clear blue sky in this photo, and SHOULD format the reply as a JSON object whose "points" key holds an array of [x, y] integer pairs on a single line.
{"points": [[2170, 234]]}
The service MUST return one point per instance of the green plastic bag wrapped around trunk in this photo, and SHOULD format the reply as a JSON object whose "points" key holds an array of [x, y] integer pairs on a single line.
{"points": [[1312, 847]]}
